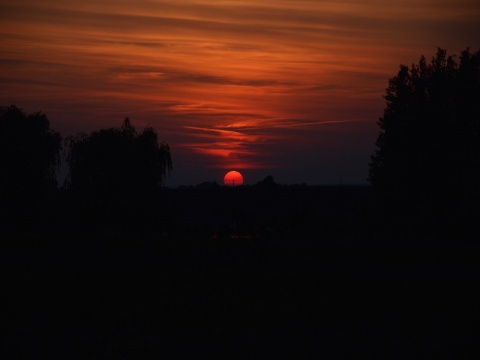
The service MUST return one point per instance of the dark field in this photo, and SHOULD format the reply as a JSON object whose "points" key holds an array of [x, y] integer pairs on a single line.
{"points": [[243, 273]]}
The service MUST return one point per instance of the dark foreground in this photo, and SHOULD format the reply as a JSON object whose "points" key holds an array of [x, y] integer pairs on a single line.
{"points": [[275, 284]]}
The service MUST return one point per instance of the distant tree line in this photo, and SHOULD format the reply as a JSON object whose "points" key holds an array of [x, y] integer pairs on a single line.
{"points": [[116, 169], [115, 159], [427, 158]]}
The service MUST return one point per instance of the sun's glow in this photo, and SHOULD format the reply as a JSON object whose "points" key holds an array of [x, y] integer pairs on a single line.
{"points": [[228, 84], [233, 178]]}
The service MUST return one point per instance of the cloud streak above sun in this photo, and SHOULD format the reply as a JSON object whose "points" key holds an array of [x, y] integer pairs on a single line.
{"points": [[250, 84]]}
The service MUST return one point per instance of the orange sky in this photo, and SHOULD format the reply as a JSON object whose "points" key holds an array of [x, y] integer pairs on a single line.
{"points": [[287, 88]]}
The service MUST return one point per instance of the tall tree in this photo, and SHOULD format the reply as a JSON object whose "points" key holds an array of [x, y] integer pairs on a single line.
{"points": [[429, 141], [29, 152]]}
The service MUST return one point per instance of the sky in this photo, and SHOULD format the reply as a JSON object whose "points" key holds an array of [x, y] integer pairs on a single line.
{"points": [[292, 89]]}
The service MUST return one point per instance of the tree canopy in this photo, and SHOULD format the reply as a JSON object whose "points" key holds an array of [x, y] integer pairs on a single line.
{"points": [[429, 141], [29, 152], [117, 161]]}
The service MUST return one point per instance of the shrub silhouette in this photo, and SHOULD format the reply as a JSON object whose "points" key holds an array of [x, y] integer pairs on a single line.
{"points": [[429, 139], [29, 153]]}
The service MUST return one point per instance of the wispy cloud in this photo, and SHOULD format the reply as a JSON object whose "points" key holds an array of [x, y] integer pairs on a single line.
{"points": [[231, 82]]}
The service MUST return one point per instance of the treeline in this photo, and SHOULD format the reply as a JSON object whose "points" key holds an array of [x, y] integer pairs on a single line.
{"points": [[425, 170], [114, 175]]}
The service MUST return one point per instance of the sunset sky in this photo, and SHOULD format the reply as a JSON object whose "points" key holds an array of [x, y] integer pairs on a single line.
{"points": [[286, 88]]}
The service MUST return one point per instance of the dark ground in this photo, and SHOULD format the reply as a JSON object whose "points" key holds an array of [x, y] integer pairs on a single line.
{"points": [[289, 273]]}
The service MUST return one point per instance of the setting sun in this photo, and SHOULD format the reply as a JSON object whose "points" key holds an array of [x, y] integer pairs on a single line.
{"points": [[233, 178], [292, 86]]}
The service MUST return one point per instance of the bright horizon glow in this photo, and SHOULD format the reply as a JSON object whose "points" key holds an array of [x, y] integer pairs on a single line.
{"points": [[288, 88], [233, 178]]}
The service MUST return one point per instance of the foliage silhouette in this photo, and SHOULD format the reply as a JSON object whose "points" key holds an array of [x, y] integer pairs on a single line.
{"points": [[429, 134], [117, 160], [428, 151], [29, 153], [267, 183], [117, 171]]}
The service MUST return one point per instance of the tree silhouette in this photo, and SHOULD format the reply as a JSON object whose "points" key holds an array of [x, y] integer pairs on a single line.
{"points": [[267, 183], [114, 177], [117, 160], [429, 141], [29, 153]]}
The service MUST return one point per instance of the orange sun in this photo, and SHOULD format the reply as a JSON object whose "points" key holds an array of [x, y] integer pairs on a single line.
{"points": [[233, 178]]}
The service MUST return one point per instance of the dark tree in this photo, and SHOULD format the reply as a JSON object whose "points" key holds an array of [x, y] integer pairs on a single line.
{"points": [[117, 160], [267, 183], [29, 153], [115, 175], [429, 141]]}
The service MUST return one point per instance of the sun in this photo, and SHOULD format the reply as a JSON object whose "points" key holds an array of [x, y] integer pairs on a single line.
{"points": [[233, 178]]}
